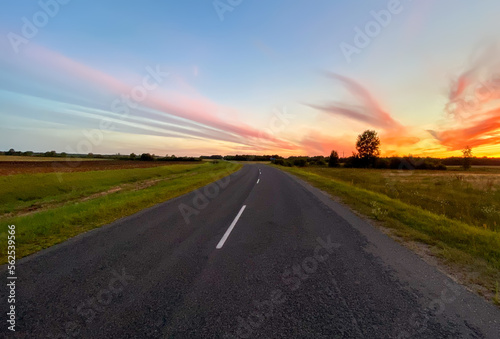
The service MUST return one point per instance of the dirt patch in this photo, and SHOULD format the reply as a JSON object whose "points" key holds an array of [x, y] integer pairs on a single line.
{"points": [[147, 183], [101, 194]]}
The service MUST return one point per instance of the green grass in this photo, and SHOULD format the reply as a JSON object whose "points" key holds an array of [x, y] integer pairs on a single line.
{"points": [[51, 226], [22, 191], [410, 216], [472, 197]]}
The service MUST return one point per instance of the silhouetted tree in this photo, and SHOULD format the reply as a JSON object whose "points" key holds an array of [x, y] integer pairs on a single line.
{"points": [[368, 147], [467, 152], [334, 159], [147, 157]]}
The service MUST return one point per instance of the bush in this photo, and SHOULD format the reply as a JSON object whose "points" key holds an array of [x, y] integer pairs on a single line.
{"points": [[354, 161], [382, 163], [394, 163], [147, 157], [300, 162], [411, 163]]}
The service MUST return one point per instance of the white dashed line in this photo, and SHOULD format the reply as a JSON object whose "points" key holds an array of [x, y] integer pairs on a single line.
{"points": [[258, 180], [226, 235]]}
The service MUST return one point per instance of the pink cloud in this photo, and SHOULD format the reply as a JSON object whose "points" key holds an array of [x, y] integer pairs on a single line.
{"points": [[369, 112], [366, 109], [194, 107], [474, 105], [317, 143]]}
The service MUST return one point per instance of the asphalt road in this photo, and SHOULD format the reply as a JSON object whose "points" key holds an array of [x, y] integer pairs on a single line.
{"points": [[295, 265]]}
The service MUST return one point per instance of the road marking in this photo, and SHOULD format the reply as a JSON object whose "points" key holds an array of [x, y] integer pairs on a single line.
{"points": [[226, 235], [258, 180]]}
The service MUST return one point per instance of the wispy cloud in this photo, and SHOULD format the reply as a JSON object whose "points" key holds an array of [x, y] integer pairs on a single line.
{"points": [[477, 132], [206, 118], [366, 109], [473, 104]]}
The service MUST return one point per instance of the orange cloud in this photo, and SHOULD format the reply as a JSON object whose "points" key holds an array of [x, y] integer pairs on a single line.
{"points": [[478, 133], [474, 105], [318, 144], [368, 111]]}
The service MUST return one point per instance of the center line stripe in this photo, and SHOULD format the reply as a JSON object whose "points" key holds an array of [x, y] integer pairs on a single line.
{"points": [[226, 235], [258, 180]]}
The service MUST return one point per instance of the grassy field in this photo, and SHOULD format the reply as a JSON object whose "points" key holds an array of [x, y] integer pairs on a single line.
{"points": [[457, 213], [28, 192], [472, 197], [47, 211]]}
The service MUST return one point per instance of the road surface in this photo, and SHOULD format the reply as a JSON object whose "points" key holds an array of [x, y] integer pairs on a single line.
{"points": [[259, 254]]}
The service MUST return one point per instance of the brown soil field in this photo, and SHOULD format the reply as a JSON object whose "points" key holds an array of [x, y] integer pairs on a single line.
{"points": [[27, 167]]}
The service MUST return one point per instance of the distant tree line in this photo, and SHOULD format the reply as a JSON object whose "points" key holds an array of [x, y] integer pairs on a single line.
{"points": [[213, 157], [367, 156], [118, 156], [248, 157], [474, 161], [152, 157], [401, 163]]}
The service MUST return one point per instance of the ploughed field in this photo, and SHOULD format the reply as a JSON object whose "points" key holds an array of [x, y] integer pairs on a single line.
{"points": [[74, 165]]}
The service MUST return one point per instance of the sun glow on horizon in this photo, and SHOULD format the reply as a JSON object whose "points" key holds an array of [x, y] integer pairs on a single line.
{"points": [[227, 87]]}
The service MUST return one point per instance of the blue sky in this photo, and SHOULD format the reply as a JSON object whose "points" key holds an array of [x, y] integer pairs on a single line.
{"points": [[258, 81]]}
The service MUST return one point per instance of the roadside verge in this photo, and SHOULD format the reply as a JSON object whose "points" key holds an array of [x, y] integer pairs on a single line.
{"points": [[467, 253]]}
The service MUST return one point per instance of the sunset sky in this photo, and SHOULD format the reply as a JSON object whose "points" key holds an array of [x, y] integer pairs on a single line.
{"points": [[201, 77]]}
